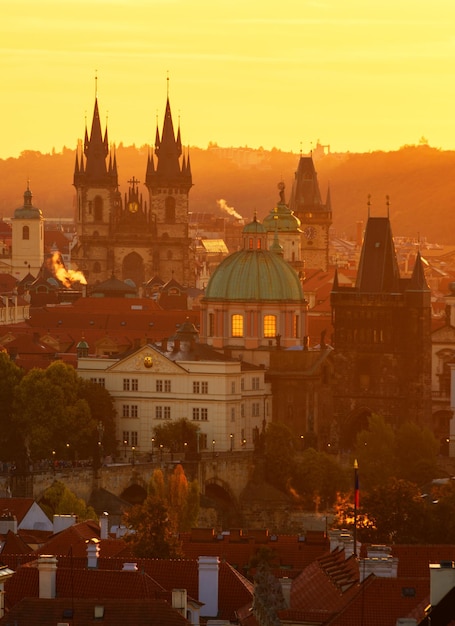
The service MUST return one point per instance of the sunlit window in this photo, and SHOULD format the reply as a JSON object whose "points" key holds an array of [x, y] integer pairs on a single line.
{"points": [[237, 326], [270, 326]]}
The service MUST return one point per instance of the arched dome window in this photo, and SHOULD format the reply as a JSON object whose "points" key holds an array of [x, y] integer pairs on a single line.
{"points": [[25, 232], [237, 325]]}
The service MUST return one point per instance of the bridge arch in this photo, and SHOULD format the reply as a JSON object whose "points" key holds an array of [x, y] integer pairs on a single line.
{"points": [[356, 421], [219, 493]]}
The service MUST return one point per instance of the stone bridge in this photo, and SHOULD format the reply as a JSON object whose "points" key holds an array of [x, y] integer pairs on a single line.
{"points": [[223, 475]]}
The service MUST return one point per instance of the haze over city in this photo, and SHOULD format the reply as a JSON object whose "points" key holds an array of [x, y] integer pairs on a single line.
{"points": [[358, 76]]}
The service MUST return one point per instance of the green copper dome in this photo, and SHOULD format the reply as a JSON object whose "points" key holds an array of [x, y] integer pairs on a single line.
{"points": [[28, 211], [281, 218], [254, 275]]}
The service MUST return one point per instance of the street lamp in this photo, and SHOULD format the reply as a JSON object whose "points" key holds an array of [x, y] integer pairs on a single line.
{"points": [[153, 441], [213, 447], [133, 450], [161, 452], [125, 443], [232, 441]]}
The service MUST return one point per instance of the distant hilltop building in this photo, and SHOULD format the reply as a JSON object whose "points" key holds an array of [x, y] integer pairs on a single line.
{"points": [[126, 236]]}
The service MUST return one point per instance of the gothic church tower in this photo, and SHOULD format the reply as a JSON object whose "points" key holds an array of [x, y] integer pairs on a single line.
{"points": [[129, 238]]}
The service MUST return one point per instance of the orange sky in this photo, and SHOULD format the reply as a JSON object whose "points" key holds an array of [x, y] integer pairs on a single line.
{"points": [[358, 75]]}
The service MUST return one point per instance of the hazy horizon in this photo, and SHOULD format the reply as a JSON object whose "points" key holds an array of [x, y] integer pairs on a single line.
{"points": [[359, 77]]}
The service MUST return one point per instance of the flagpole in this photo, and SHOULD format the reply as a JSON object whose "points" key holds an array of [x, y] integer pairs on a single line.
{"points": [[356, 502]]}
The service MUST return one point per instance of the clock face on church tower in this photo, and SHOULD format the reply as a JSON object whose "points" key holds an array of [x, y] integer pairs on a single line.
{"points": [[310, 233]]}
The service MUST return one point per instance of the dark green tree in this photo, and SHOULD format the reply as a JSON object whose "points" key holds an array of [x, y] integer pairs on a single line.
{"points": [[397, 511], [10, 377], [102, 412], [416, 452], [52, 413], [174, 435], [375, 453], [318, 478], [59, 500], [280, 446]]}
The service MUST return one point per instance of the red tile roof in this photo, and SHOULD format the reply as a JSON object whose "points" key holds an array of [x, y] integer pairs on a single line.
{"points": [[116, 612]]}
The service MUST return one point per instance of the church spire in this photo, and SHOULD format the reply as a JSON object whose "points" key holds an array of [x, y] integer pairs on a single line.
{"points": [[168, 149]]}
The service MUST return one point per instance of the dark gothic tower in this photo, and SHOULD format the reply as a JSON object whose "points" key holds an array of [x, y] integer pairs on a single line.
{"points": [[382, 339], [169, 181], [314, 215], [133, 240], [96, 183]]}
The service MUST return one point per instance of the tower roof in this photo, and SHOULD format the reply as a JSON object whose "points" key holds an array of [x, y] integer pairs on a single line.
{"points": [[168, 150], [96, 151], [305, 194], [28, 211], [378, 267]]}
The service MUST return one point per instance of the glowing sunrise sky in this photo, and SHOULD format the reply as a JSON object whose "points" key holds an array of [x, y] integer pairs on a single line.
{"points": [[359, 75]]}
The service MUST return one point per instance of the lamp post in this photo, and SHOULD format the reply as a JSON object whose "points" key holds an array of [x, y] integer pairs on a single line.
{"points": [[185, 447], [231, 436], [153, 441], [53, 461], [133, 450], [100, 429], [161, 452], [356, 502], [125, 443], [213, 448]]}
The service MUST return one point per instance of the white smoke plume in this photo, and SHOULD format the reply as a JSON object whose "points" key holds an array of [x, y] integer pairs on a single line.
{"points": [[65, 276], [223, 205]]}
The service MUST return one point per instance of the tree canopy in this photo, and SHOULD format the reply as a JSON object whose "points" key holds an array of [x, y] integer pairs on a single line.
{"points": [[171, 506], [52, 412]]}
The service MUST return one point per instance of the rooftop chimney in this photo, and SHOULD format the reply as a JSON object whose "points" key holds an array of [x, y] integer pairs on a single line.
{"points": [[208, 584], [62, 522], [104, 526], [380, 562], [179, 601], [442, 580], [129, 567], [8, 521], [93, 551], [47, 573], [286, 584]]}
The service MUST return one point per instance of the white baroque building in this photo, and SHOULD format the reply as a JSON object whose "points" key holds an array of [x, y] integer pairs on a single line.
{"points": [[226, 397]]}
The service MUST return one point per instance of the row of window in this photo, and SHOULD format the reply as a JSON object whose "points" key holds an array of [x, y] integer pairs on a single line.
{"points": [[199, 414], [132, 384], [269, 325]]}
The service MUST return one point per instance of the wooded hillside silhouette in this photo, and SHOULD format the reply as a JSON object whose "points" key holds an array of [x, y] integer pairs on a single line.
{"points": [[419, 181]]}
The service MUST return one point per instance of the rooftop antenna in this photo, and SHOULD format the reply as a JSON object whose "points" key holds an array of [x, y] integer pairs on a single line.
{"points": [[300, 148], [96, 83], [369, 204], [167, 79], [387, 202]]}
